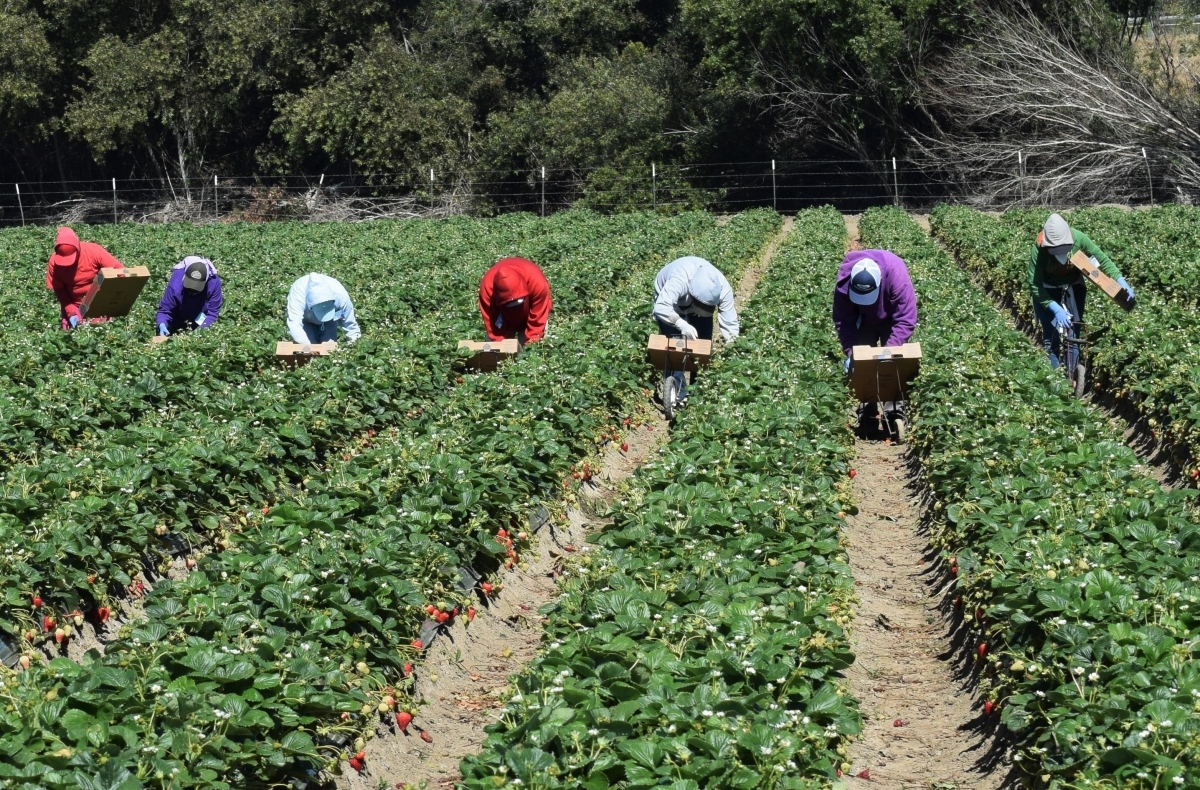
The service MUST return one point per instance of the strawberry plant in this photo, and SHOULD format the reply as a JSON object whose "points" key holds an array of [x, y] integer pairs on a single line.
{"points": [[253, 665], [1085, 567], [1143, 360], [699, 643]]}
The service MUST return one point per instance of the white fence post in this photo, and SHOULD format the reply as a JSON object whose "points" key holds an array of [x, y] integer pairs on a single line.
{"points": [[114, 201], [20, 205]]}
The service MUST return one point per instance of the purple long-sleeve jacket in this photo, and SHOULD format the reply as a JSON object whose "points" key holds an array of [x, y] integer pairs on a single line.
{"points": [[180, 306], [894, 312]]}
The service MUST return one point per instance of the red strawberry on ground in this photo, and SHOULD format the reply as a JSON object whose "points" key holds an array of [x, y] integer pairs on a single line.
{"points": [[102, 613], [864, 774], [853, 474], [425, 736], [624, 447], [898, 723], [357, 764], [403, 719]]}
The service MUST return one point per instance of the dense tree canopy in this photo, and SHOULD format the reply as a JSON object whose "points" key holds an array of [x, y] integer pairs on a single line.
{"points": [[164, 88]]}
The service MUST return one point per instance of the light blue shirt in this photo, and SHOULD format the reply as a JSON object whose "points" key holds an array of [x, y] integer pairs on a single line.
{"points": [[314, 289]]}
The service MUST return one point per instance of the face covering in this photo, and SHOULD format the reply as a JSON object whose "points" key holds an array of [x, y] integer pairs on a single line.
{"points": [[1061, 258]]}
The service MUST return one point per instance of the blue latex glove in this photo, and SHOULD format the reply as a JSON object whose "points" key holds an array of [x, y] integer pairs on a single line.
{"points": [[162, 330], [1128, 288], [1062, 319], [846, 365], [73, 321]]}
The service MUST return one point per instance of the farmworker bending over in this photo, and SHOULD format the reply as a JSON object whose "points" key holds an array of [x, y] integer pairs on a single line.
{"points": [[514, 300], [688, 291], [72, 268], [193, 297], [873, 301], [317, 305], [1058, 288]]}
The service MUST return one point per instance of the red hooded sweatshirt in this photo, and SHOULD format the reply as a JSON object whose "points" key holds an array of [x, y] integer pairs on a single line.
{"points": [[72, 268], [509, 279]]}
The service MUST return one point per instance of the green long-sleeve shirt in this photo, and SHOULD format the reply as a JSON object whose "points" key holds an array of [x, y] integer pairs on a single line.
{"points": [[1044, 268]]}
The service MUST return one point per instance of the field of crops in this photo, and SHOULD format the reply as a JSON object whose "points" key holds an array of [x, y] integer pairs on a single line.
{"points": [[244, 555]]}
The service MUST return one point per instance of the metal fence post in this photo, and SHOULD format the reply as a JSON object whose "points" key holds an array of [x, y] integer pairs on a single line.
{"points": [[653, 185], [1021, 175], [774, 201], [1149, 178], [114, 201], [543, 192], [216, 202], [895, 181], [20, 205]]}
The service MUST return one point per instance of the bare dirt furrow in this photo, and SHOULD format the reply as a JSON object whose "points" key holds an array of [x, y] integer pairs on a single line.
{"points": [[463, 679], [918, 718], [920, 723]]}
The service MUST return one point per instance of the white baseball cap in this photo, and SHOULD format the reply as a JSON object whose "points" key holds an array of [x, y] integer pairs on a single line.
{"points": [[864, 282]]}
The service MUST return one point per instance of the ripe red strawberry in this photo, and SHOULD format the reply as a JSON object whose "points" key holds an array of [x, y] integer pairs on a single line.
{"points": [[48, 623], [266, 510], [853, 473], [624, 447], [898, 723], [988, 707], [417, 644], [403, 719], [430, 610], [864, 773], [460, 379], [425, 736], [979, 614], [502, 533], [982, 649], [958, 603], [357, 764], [486, 587], [37, 600], [362, 755], [442, 617], [407, 670], [102, 613], [470, 613]]}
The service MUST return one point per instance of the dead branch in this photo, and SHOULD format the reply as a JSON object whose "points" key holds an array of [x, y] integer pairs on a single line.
{"points": [[1080, 126]]}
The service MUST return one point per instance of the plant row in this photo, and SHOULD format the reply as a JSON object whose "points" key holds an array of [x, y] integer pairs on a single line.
{"points": [[699, 643], [1144, 359], [1074, 573], [254, 668]]}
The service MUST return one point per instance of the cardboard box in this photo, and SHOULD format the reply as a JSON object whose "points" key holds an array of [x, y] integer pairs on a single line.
{"points": [[879, 374], [489, 353], [1107, 284], [114, 291], [678, 354], [293, 355]]}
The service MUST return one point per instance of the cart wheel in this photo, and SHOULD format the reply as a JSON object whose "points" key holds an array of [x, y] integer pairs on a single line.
{"points": [[1080, 380], [669, 396], [901, 430]]}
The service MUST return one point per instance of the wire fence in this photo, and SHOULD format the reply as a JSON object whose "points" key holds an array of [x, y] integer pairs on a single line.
{"points": [[786, 185]]}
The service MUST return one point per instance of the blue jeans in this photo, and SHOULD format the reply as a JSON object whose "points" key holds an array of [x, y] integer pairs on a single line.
{"points": [[704, 328], [1072, 298], [321, 333]]}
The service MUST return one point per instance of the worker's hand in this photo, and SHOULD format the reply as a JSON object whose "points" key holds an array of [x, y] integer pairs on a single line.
{"points": [[729, 341], [162, 330], [200, 320], [1128, 288], [73, 321], [687, 330], [1062, 319]]}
